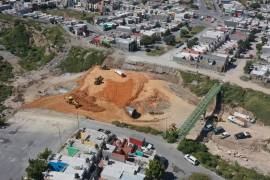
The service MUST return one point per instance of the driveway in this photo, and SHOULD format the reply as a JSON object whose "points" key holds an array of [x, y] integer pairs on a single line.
{"points": [[33, 130]]}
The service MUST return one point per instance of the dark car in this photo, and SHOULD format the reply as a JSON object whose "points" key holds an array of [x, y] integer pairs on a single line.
{"points": [[148, 50], [242, 135], [208, 127], [179, 45], [219, 130]]}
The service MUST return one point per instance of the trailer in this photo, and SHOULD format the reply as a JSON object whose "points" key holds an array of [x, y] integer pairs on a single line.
{"points": [[244, 117], [120, 72], [239, 122]]}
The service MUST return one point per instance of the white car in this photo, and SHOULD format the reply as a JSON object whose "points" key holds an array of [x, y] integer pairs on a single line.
{"points": [[192, 159], [224, 135]]}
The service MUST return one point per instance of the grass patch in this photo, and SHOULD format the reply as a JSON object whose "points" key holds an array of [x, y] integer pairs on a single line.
{"points": [[197, 83], [215, 163], [156, 52], [80, 59], [253, 101], [144, 129], [199, 176], [89, 17]]}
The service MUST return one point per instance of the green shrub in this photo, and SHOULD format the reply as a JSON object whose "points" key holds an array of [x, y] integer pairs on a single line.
{"points": [[171, 136], [189, 146], [5, 70], [5, 92], [80, 59]]}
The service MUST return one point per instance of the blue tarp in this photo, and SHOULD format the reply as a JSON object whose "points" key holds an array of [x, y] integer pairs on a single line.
{"points": [[57, 166]]}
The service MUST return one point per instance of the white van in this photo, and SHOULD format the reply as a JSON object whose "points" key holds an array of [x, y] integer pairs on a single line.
{"points": [[192, 159]]}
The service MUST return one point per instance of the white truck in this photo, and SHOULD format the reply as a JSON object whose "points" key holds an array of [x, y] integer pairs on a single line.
{"points": [[239, 122], [120, 72], [244, 116]]}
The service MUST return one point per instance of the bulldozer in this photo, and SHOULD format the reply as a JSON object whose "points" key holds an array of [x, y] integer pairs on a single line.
{"points": [[98, 80], [72, 101]]}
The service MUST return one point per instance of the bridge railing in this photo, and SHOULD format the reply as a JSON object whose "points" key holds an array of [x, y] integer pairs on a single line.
{"points": [[199, 110]]}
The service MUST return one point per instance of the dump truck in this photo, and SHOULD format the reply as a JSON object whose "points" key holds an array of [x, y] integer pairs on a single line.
{"points": [[132, 112], [239, 122], [244, 117], [72, 101]]}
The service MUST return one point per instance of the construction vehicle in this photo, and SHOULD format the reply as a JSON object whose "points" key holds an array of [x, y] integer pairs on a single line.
{"points": [[173, 127], [72, 101], [104, 67], [98, 80]]}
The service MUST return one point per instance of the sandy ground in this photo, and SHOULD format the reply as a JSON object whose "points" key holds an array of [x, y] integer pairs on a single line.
{"points": [[158, 104], [251, 153]]}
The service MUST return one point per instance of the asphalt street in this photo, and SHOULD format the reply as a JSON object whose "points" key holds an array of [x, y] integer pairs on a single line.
{"points": [[31, 131]]}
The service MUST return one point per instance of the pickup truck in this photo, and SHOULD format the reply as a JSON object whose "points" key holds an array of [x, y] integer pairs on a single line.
{"points": [[242, 135]]}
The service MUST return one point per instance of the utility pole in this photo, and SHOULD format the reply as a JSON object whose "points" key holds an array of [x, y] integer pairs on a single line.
{"points": [[59, 134], [78, 121]]}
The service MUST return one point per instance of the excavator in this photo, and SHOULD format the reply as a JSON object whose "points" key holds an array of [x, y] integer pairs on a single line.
{"points": [[70, 100], [98, 80]]}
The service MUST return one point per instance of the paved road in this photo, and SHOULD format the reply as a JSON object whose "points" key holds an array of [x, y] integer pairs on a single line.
{"points": [[33, 130]]}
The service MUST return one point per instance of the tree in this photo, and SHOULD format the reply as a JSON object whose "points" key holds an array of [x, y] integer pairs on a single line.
{"points": [[184, 32], [259, 47], [255, 6], [192, 42], [35, 168], [146, 40], [155, 170], [167, 32], [248, 67], [264, 40], [144, 1], [45, 154], [260, 16], [39, 165], [169, 40]]}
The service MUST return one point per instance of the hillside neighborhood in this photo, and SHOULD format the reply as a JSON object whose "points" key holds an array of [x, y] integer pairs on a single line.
{"points": [[134, 89]]}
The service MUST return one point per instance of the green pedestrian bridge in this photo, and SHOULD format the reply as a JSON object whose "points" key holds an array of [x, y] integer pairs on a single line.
{"points": [[199, 111]]}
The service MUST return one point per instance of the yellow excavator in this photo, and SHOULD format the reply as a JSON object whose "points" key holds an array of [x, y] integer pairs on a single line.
{"points": [[72, 101]]}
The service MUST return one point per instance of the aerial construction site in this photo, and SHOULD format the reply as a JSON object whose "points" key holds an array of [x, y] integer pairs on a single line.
{"points": [[115, 95]]}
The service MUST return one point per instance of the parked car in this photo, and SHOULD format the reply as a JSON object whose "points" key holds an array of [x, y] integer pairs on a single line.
{"points": [[219, 130], [148, 50], [224, 135], [208, 127], [192, 159], [242, 135], [179, 45]]}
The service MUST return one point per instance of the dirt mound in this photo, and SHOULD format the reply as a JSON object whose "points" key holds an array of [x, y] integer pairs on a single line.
{"points": [[119, 93], [154, 104]]}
